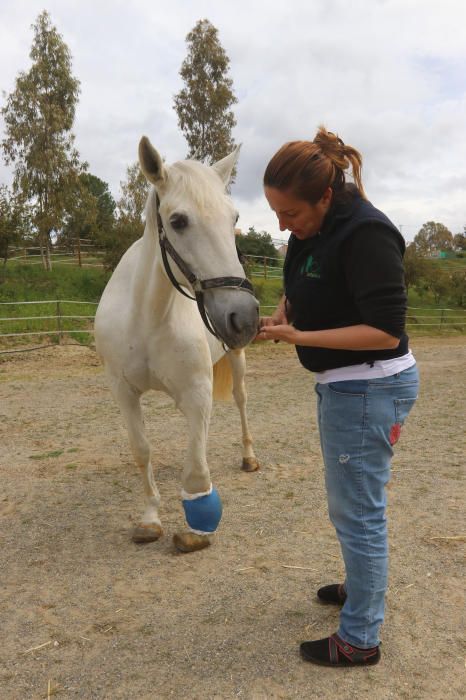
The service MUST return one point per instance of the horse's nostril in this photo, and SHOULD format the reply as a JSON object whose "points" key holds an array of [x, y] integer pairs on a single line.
{"points": [[234, 323]]}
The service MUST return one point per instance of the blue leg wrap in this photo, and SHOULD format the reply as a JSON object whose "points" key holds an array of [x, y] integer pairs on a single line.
{"points": [[204, 512]]}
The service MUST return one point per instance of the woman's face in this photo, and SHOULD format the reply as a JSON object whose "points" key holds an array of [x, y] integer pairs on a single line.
{"points": [[302, 219]]}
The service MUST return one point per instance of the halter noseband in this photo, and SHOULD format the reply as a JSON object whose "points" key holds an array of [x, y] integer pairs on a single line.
{"points": [[199, 286]]}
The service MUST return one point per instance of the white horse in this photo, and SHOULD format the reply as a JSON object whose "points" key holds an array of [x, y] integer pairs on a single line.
{"points": [[150, 336]]}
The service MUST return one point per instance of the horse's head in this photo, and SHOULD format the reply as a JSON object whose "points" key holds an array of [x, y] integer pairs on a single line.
{"points": [[196, 220]]}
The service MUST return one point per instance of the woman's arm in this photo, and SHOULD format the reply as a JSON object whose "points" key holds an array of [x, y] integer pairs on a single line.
{"points": [[360, 337]]}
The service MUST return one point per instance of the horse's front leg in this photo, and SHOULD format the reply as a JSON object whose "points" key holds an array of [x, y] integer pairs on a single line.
{"points": [[201, 502], [237, 360], [149, 528]]}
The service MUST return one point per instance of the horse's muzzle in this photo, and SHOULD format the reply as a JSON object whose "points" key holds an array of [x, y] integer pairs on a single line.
{"points": [[234, 314]]}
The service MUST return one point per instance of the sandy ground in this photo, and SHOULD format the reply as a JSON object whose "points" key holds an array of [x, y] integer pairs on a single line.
{"points": [[85, 613]]}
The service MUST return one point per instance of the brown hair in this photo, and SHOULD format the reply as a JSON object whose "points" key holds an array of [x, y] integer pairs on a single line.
{"points": [[307, 168]]}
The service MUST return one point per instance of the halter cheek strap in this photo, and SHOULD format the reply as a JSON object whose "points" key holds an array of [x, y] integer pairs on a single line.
{"points": [[199, 286]]}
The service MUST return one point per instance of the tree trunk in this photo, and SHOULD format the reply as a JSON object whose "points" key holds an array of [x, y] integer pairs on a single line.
{"points": [[48, 257], [42, 255], [44, 243]]}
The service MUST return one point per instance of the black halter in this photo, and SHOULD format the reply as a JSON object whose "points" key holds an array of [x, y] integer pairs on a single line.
{"points": [[199, 286]]}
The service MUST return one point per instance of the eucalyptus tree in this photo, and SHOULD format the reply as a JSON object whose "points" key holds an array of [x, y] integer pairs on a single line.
{"points": [[203, 105], [39, 116], [134, 192], [129, 216]]}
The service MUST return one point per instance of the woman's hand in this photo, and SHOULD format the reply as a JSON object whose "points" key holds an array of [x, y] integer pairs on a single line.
{"points": [[268, 325], [283, 331], [278, 318]]}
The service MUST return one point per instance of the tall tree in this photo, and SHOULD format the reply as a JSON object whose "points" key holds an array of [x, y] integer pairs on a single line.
{"points": [[258, 245], [204, 104], [129, 224], [433, 237], [134, 192], [90, 211], [39, 116]]}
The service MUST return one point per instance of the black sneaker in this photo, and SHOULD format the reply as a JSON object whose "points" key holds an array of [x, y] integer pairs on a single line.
{"points": [[334, 651], [334, 593]]}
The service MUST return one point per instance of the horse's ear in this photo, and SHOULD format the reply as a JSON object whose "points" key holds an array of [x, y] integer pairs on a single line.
{"points": [[151, 163], [225, 166]]}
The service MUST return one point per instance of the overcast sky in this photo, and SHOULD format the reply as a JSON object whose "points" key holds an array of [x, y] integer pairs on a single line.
{"points": [[389, 76]]}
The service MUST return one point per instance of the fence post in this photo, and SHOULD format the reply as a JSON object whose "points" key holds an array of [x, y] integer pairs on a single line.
{"points": [[265, 268], [442, 316], [79, 253], [59, 322]]}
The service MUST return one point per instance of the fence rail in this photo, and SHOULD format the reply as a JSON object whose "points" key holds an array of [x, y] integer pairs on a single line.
{"points": [[54, 325], [78, 251], [259, 265], [264, 266]]}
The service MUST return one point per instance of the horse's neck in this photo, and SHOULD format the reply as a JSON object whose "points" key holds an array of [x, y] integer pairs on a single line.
{"points": [[152, 291]]}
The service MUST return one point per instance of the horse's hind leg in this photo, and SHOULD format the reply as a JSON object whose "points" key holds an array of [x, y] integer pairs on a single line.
{"points": [[149, 527], [237, 360]]}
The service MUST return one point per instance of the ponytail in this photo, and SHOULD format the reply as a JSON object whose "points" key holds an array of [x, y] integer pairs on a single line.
{"points": [[308, 168], [342, 156]]}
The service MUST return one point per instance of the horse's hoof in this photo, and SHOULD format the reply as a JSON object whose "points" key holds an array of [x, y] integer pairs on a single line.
{"points": [[146, 532], [190, 542], [250, 464]]}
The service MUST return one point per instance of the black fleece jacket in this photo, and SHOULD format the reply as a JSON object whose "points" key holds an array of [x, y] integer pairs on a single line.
{"points": [[350, 273]]}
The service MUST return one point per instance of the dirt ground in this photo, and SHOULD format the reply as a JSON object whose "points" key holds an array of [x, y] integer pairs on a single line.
{"points": [[85, 613]]}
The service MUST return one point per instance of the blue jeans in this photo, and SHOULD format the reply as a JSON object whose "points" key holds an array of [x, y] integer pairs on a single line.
{"points": [[359, 423]]}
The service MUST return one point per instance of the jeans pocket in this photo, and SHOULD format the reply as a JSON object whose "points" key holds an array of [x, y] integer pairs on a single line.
{"points": [[350, 387], [402, 409]]}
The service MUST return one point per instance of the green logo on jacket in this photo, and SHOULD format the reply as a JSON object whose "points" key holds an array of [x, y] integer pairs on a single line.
{"points": [[310, 268]]}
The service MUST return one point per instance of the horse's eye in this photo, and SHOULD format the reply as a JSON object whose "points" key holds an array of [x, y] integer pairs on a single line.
{"points": [[178, 221]]}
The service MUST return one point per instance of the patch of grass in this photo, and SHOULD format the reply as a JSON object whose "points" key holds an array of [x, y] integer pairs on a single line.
{"points": [[47, 455], [268, 292], [30, 283], [23, 282]]}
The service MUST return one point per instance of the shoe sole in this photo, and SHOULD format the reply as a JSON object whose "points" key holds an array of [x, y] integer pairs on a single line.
{"points": [[321, 662]]}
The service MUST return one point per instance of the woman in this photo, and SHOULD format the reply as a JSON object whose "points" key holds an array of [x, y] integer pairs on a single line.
{"points": [[344, 309]]}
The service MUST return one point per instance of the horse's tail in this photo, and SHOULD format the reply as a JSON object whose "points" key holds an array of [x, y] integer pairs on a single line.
{"points": [[223, 380]]}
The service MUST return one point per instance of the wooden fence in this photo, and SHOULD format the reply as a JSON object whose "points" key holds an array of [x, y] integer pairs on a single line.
{"points": [[54, 320], [80, 251]]}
